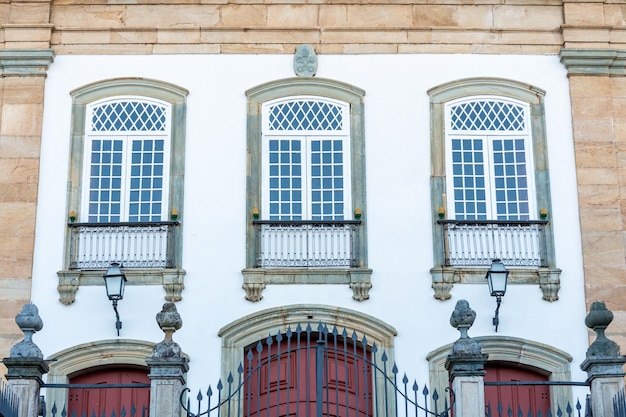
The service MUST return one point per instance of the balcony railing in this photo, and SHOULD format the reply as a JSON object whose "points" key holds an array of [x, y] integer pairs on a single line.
{"points": [[133, 245], [317, 244], [477, 242]]}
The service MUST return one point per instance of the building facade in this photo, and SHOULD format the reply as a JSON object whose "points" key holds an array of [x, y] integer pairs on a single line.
{"points": [[354, 163]]}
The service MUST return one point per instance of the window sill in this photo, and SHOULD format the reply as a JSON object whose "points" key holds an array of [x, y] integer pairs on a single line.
{"points": [[256, 279], [444, 278], [172, 280]]}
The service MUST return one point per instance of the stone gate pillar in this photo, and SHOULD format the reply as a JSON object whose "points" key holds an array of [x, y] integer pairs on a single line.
{"points": [[466, 366], [25, 363], [604, 364], [167, 367]]}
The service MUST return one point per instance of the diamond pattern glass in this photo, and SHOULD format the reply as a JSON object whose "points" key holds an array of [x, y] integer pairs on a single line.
{"points": [[487, 115], [125, 116], [305, 115]]}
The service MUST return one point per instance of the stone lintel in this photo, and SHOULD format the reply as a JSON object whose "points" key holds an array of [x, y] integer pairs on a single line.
{"points": [[444, 278], [25, 62], [172, 280], [593, 62], [256, 279]]}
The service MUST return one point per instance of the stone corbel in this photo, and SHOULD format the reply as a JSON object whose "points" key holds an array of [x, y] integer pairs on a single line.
{"points": [[443, 281], [550, 283], [254, 284], [360, 283], [173, 284], [68, 285]]}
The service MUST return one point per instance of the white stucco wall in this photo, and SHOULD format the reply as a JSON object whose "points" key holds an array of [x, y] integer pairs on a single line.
{"points": [[398, 200]]}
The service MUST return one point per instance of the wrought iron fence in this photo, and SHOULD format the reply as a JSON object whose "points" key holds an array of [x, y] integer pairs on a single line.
{"points": [[307, 373], [287, 244], [97, 400], [619, 404], [133, 411], [528, 403], [568, 411], [133, 245], [478, 242], [8, 402]]}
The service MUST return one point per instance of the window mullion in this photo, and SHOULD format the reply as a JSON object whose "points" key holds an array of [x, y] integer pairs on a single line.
{"points": [[490, 191], [126, 177], [307, 187]]}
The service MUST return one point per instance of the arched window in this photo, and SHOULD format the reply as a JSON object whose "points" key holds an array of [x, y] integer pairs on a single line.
{"points": [[127, 160], [490, 184], [489, 169], [126, 173], [306, 159], [306, 186]]}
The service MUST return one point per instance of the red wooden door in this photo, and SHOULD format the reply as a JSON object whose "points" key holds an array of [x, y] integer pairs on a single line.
{"points": [[282, 381], [524, 397], [99, 400]]}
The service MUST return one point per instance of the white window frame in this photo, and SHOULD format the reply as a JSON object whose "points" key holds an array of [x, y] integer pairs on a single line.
{"points": [[306, 137], [488, 137], [127, 138]]}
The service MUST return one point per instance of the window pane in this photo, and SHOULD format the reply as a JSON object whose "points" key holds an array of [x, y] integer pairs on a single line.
{"points": [[510, 176], [467, 175], [146, 181], [285, 177], [105, 178]]}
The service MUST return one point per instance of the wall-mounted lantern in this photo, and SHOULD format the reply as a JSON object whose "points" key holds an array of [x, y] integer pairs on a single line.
{"points": [[497, 276], [115, 281]]}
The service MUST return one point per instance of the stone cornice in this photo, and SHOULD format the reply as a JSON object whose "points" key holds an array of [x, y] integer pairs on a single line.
{"points": [[25, 62], [594, 62]]}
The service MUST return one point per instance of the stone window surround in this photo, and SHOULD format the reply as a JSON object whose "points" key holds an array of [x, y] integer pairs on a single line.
{"points": [[80, 358], [257, 326], [172, 279], [515, 351], [444, 277], [256, 279]]}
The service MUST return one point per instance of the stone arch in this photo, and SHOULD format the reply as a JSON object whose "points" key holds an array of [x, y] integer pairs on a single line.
{"points": [[257, 326], [539, 357], [248, 329], [102, 353]]}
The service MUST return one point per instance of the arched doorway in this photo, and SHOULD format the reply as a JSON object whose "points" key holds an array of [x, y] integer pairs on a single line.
{"points": [[81, 359], [522, 353], [240, 335], [527, 398], [306, 373], [87, 399]]}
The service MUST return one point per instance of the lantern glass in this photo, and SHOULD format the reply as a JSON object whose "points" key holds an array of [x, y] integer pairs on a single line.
{"points": [[496, 278], [115, 281]]}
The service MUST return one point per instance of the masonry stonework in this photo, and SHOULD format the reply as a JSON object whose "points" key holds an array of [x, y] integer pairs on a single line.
{"points": [[350, 27]]}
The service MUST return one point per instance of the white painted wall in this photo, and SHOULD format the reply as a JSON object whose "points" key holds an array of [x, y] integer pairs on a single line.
{"points": [[398, 193]]}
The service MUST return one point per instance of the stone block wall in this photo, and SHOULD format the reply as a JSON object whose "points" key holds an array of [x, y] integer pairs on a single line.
{"points": [[337, 27]]}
